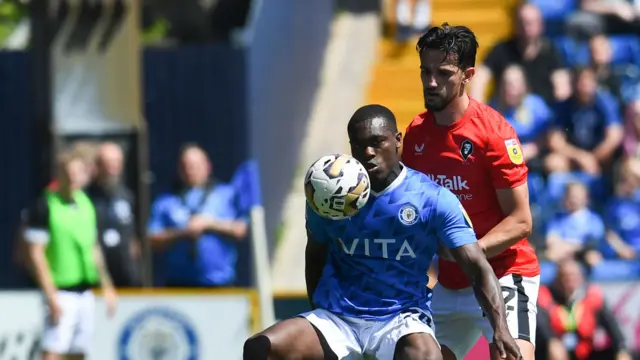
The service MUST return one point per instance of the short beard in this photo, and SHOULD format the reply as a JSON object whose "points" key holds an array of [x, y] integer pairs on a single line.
{"points": [[443, 105], [109, 183]]}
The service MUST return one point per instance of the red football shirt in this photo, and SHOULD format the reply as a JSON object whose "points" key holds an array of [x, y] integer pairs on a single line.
{"points": [[473, 157]]}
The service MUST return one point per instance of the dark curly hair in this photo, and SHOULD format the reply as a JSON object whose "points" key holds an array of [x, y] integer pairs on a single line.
{"points": [[459, 43]]}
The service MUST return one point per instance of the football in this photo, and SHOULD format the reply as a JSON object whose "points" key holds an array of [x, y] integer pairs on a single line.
{"points": [[337, 186]]}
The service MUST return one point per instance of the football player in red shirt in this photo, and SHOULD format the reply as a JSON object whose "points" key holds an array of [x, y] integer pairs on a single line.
{"points": [[470, 149]]}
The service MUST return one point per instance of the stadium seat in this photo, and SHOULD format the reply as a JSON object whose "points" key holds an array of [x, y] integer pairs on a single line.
{"points": [[607, 270], [625, 50], [555, 9], [557, 182], [547, 272], [616, 270], [554, 13]]}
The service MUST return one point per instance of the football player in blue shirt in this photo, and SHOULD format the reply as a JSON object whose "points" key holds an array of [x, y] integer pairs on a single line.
{"points": [[366, 275]]}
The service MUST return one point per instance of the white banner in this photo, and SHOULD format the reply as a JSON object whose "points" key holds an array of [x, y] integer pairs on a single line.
{"points": [[624, 300], [153, 325]]}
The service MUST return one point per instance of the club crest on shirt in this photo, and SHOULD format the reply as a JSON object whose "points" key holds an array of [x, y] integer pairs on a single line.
{"points": [[408, 214], [514, 151], [466, 149]]}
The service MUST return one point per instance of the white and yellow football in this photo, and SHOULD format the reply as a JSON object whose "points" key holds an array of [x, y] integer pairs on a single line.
{"points": [[337, 186]]}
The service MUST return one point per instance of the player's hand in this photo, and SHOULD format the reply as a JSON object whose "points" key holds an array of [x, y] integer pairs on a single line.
{"points": [[55, 311], [506, 345], [111, 299]]}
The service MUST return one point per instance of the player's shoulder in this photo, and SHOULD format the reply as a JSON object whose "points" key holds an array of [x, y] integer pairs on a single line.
{"points": [[418, 121], [418, 182], [489, 122], [417, 178]]}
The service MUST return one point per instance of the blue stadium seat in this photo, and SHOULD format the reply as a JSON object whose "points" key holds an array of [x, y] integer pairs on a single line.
{"points": [[539, 208], [616, 270], [554, 12], [607, 270], [555, 9], [557, 182], [547, 272], [573, 52], [625, 50]]}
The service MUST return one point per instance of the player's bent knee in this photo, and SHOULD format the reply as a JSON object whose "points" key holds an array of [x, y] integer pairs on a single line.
{"points": [[418, 353], [417, 347], [257, 348], [447, 354]]}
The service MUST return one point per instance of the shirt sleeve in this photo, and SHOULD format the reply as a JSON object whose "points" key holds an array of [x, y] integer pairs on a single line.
{"points": [[610, 109], [544, 115], [597, 229], [504, 157], [452, 224], [156, 224], [37, 220], [316, 226], [553, 227]]}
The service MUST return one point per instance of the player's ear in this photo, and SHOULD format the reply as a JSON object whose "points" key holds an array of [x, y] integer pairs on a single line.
{"points": [[398, 140], [467, 75]]}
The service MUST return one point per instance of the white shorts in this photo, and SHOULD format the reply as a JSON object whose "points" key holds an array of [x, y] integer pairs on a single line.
{"points": [[74, 332], [351, 338], [460, 321]]}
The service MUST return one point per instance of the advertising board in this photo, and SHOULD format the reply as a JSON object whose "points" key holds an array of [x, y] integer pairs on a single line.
{"points": [[159, 324], [202, 324]]}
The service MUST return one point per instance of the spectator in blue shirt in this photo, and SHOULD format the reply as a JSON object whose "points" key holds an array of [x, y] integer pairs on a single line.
{"points": [[623, 213], [195, 230], [577, 231], [527, 113], [588, 128]]}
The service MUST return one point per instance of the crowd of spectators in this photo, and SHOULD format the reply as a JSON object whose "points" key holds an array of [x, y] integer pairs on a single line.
{"points": [[192, 228], [571, 92]]}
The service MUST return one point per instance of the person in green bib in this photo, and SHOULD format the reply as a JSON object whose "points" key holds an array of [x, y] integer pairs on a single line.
{"points": [[67, 262]]}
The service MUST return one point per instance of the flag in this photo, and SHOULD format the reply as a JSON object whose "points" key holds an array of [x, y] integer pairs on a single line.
{"points": [[246, 182]]}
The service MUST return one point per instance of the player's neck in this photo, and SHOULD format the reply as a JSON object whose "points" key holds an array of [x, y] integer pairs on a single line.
{"points": [[65, 193], [380, 186], [453, 112]]}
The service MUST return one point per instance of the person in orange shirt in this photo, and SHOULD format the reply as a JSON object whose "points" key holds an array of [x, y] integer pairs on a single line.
{"points": [[570, 311], [472, 150]]}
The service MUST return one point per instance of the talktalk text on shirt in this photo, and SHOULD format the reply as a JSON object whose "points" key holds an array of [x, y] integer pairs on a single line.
{"points": [[455, 184]]}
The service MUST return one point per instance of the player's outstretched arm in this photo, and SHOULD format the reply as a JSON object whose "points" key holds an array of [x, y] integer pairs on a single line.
{"points": [[315, 259], [489, 295], [455, 232], [315, 252]]}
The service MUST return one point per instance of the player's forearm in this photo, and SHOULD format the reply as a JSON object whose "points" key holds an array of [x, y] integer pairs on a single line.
{"points": [[314, 264], [103, 273], [41, 273], [509, 231], [489, 294]]}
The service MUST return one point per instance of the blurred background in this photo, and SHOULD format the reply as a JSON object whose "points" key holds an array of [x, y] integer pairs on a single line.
{"points": [[235, 98]]}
